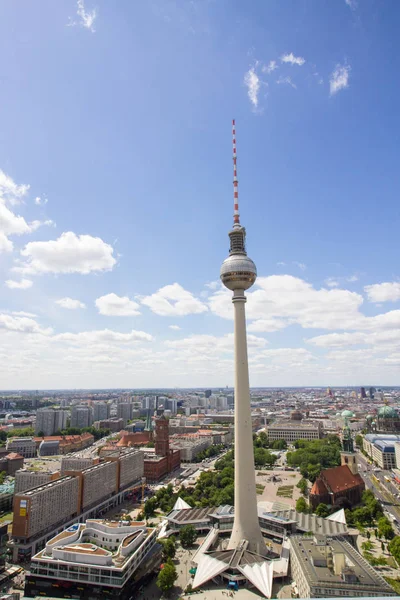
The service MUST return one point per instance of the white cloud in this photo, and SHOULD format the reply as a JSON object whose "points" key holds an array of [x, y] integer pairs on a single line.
{"points": [[267, 325], [10, 191], [22, 325], [70, 303], [86, 18], [352, 4], [12, 224], [22, 313], [40, 201], [281, 264], [175, 327], [173, 300], [302, 266], [252, 82], [292, 59], [213, 285], [6, 245], [272, 65], [383, 292], [352, 278], [296, 301], [331, 282], [70, 253], [117, 306], [104, 336], [339, 79], [24, 284], [287, 81]]}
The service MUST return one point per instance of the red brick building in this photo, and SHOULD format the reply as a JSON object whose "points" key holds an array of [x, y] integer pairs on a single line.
{"points": [[337, 487], [166, 459]]}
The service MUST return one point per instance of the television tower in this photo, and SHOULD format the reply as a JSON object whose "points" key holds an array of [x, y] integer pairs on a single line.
{"points": [[238, 273]]}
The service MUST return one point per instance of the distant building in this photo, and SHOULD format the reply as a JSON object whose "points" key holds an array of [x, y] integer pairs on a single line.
{"points": [[387, 420], [81, 416], [381, 448], [63, 444], [166, 459], [323, 568], [290, 431], [49, 420], [117, 556], [191, 445], [101, 411], [113, 425], [25, 446], [76, 463], [124, 412]]}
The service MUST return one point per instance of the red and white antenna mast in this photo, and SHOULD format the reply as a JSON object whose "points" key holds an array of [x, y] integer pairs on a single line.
{"points": [[236, 221]]}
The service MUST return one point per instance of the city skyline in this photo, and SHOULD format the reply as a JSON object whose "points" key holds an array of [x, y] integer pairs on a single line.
{"points": [[115, 185]]}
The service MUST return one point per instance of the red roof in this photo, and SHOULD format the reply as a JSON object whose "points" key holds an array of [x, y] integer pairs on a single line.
{"points": [[14, 456], [340, 478], [318, 489]]}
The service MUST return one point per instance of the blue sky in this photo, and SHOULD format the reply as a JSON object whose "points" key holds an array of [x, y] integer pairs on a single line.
{"points": [[116, 191]]}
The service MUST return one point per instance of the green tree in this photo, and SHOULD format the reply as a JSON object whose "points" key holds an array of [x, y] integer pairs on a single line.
{"points": [[359, 441], [394, 548], [167, 576], [302, 485], [187, 536], [169, 548], [302, 506], [322, 510], [279, 445], [150, 507], [385, 529]]}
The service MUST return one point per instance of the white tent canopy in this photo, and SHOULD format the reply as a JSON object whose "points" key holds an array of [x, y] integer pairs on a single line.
{"points": [[180, 504], [339, 517]]}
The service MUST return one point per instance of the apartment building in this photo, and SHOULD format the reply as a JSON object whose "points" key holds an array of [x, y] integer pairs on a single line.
{"points": [[25, 479], [76, 463], [98, 482]]}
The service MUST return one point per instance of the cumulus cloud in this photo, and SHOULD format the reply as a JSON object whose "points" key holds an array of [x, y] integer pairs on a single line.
{"points": [[22, 325], [173, 300], [294, 300], [10, 191], [22, 313], [23, 284], [70, 253], [293, 60], [331, 282], [70, 303], [252, 82], [383, 292], [86, 18], [117, 306], [339, 79], [103, 336], [174, 327]]}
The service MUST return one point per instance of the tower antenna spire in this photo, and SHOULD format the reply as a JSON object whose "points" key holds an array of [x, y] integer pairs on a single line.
{"points": [[236, 220]]}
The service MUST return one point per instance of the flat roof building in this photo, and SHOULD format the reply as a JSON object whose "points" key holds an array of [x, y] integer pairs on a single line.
{"points": [[25, 446], [290, 431], [25, 479], [323, 567], [94, 558]]}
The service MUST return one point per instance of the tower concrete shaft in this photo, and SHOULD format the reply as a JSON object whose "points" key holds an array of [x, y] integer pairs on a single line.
{"points": [[246, 525]]}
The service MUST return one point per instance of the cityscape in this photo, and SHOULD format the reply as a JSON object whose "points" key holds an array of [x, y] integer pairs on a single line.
{"points": [[199, 382]]}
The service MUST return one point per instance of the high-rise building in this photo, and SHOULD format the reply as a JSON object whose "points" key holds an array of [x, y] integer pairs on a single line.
{"points": [[101, 411], [48, 421], [81, 416], [124, 412]]}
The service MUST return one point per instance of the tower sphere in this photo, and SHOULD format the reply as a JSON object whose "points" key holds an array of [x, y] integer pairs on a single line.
{"points": [[238, 272]]}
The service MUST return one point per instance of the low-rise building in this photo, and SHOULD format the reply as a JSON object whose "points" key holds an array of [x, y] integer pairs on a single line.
{"points": [[11, 463], [323, 567], [290, 431], [25, 446], [94, 559], [191, 445], [381, 448]]}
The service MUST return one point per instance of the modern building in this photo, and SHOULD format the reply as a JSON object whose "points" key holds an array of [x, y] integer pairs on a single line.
{"points": [[290, 431], [101, 411], [25, 479], [124, 412], [25, 446], [191, 445], [81, 416], [98, 483], [381, 448], [113, 425], [324, 567], [64, 444], [49, 420], [94, 559]]}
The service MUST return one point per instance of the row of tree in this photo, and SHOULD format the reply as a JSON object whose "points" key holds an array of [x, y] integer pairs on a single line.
{"points": [[311, 456]]}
